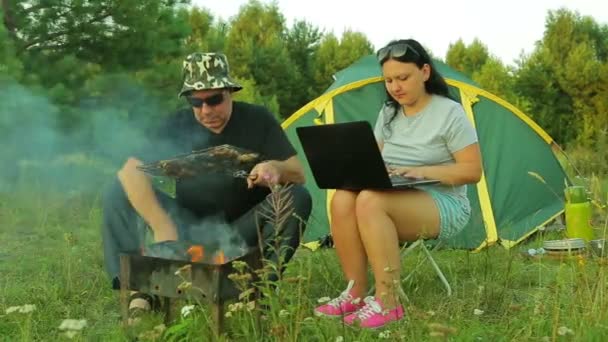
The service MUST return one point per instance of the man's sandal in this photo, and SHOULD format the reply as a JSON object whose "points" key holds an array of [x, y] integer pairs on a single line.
{"points": [[141, 303]]}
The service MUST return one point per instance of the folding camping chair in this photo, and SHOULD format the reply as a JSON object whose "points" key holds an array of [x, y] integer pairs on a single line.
{"points": [[408, 248], [427, 256]]}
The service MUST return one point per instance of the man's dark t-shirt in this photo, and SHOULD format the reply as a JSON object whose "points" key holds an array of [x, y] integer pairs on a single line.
{"points": [[251, 127]]}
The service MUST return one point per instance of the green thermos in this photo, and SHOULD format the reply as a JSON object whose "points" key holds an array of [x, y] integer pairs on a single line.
{"points": [[578, 213]]}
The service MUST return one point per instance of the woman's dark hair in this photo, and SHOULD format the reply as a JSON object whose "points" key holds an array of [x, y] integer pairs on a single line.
{"points": [[410, 51]]}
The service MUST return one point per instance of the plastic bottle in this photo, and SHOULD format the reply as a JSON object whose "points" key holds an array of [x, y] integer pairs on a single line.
{"points": [[578, 215]]}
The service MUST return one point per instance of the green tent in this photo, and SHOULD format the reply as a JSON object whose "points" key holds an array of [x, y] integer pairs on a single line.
{"points": [[523, 181]]}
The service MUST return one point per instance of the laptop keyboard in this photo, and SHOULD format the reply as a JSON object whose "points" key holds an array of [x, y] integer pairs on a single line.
{"points": [[396, 179]]}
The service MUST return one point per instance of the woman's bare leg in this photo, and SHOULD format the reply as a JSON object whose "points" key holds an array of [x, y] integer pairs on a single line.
{"points": [[384, 219], [347, 241]]}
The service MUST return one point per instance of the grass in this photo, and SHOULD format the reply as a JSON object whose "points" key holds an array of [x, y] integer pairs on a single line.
{"points": [[51, 257]]}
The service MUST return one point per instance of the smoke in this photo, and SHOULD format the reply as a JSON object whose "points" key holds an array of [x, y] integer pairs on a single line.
{"points": [[102, 131], [216, 235], [212, 233]]}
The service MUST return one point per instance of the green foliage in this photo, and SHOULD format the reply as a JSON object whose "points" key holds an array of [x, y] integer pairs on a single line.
{"points": [[10, 66], [302, 43], [334, 55], [563, 79], [249, 93], [467, 59]]}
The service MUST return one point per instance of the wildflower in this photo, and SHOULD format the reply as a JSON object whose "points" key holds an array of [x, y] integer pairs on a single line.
{"points": [[239, 277], [385, 334], [186, 310], [154, 334], [323, 299], [183, 269], [478, 312], [247, 293], [73, 324], [27, 308], [235, 307], [562, 331], [239, 265], [228, 314], [339, 339], [70, 333], [251, 305], [186, 285]]}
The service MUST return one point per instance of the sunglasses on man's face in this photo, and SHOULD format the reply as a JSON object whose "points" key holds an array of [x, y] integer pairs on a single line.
{"points": [[395, 51], [211, 101]]}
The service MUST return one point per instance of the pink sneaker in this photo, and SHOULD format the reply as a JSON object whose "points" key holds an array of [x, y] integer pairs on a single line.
{"points": [[372, 315], [342, 305]]}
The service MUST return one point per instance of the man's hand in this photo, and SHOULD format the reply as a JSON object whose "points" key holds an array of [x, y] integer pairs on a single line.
{"points": [[264, 174]]}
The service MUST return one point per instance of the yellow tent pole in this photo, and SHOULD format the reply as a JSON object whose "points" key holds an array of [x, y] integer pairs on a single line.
{"points": [[510, 243], [329, 118], [327, 97], [468, 99], [472, 89]]}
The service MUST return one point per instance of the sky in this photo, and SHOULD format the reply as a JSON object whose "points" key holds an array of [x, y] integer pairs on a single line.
{"points": [[507, 28]]}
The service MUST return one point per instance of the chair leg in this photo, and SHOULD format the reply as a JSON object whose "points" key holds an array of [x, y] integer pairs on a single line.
{"points": [[408, 249], [438, 270]]}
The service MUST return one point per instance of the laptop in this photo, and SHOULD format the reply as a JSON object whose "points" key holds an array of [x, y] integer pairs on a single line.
{"points": [[346, 156]]}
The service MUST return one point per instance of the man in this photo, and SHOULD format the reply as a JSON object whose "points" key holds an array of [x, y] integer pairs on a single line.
{"points": [[132, 205]]}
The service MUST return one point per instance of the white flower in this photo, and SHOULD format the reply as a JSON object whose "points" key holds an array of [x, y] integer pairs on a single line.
{"points": [[27, 308], [186, 310], [323, 299], [70, 334], [478, 312], [562, 331], [283, 313], [385, 334], [228, 314], [73, 324], [339, 339]]}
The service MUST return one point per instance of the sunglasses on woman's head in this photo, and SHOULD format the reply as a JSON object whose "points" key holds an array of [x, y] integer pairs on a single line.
{"points": [[395, 51], [211, 101]]}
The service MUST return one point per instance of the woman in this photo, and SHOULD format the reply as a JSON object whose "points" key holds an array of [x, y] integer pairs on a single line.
{"points": [[422, 133]]}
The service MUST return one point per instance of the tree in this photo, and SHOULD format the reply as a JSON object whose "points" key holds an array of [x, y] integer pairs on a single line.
{"points": [[498, 79], [334, 55], [124, 34], [257, 50], [467, 59], [302, 43], [10, 66], [564, 78]]}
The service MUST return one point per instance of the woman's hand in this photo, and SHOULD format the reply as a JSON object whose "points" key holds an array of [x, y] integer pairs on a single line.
{"points": [[408, 171], [264, 174]]}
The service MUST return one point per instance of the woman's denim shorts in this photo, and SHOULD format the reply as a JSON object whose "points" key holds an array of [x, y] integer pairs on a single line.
{"points": [[454, 212]]}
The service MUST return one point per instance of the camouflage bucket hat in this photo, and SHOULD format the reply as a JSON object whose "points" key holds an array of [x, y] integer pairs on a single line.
{"points": [[206, 71]]}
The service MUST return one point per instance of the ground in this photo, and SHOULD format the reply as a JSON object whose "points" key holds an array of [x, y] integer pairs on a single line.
{"points": [[51, 257]]}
